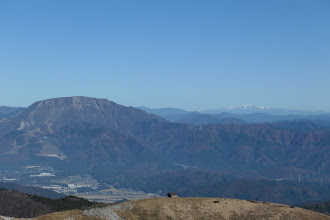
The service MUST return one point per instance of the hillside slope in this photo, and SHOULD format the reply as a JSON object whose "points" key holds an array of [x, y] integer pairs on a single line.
{"points": [[62, 132], [190, 208], [319, 207], [192, 183], [31, 190], [6, 112], [84, 133], [17, 204]]}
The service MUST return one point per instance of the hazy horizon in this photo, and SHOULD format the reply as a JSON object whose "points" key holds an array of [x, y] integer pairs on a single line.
{"points": [[189, 110]]}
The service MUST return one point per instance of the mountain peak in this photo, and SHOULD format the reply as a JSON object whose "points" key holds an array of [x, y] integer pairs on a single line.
{"points": [[61, 111], [75, 101], [246, 107]]}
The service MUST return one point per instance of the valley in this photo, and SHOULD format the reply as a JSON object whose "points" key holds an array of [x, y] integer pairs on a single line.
{"points": [[166, 109], [83, 186], [102, 151]]}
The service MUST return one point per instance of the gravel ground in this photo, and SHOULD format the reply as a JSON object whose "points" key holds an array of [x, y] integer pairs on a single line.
{"points": [[6, 218], [108, 213]]}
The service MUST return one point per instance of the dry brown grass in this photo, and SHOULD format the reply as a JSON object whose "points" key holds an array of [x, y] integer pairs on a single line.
{"points": [[196, 208], [205, 208]]}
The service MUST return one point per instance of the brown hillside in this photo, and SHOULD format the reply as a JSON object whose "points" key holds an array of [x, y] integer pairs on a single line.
{"points": [[190, 208]]}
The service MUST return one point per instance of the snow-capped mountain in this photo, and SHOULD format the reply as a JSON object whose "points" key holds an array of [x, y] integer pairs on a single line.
{"points": [[246, 108], [240, 109], [251, 109]]}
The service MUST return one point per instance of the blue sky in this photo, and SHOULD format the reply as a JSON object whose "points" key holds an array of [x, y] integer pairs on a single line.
{"points": [[189, 54]]}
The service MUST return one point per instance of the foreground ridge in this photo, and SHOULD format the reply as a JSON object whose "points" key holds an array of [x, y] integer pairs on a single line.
{"points": [[190, 208]]}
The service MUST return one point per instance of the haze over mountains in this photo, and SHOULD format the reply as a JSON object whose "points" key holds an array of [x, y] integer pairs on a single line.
{"points": [[239, 114], [242, 109], [232, 114], [6, 112], [124, 145]]}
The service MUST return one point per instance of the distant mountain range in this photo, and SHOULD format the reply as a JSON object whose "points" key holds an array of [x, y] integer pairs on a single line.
{"points": [[77, 135], [242, 109], [6, 111], [163, 111], [250, 109], [65, 130], [239, 115]]}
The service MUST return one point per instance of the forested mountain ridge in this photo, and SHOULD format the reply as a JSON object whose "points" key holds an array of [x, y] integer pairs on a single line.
{"points": [[100, 132], [123, 145], [22, 205]]}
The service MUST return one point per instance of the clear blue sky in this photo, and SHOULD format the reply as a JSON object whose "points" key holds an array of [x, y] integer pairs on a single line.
{"points": [[167, 53]]}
